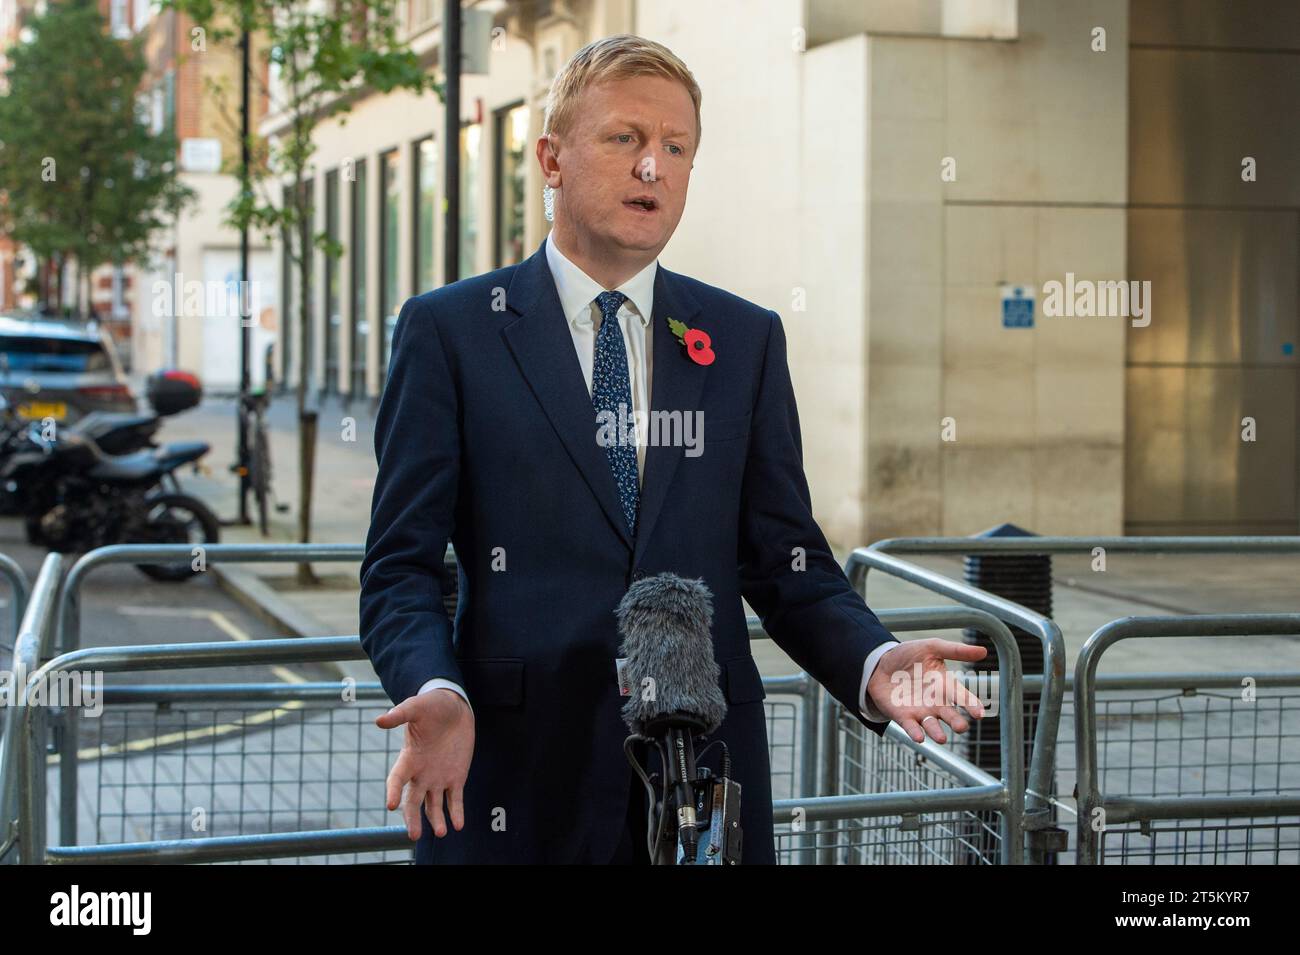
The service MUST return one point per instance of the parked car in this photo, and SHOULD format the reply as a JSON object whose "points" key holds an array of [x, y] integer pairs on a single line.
{"points": [[59, 368]]}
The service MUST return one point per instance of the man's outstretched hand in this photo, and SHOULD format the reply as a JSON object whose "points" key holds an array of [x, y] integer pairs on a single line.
{"points": [[911, 703], [434, 760]]}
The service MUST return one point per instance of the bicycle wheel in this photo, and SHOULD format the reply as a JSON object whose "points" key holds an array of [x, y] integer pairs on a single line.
{"points": [[177, 519]]}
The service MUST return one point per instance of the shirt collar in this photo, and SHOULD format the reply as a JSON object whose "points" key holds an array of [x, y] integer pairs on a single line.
{"points": [[577, 289]]}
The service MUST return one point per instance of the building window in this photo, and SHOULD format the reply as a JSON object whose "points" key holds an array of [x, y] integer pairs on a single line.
{"points": [[471, 136], [144, 10], [390, 188], [169, 101], [511, 173], [332, 317], [118, 19], [157, 116], [426, 164], [360, 269]]}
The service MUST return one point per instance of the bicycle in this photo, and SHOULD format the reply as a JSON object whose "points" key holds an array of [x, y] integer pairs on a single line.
{"points": [[252, 424]]}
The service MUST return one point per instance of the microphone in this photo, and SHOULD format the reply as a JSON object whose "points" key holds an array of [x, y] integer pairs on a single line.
{"points": [[665, 623]]}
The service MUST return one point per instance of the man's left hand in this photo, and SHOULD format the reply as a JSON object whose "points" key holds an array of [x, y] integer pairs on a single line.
{"points": [[918, 705]]}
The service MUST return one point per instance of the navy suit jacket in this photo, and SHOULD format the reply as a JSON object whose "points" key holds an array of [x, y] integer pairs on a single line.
{"points": [[486, 436]]}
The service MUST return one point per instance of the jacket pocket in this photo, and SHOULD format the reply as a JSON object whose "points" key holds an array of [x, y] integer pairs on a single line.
{"points": [[494, 681], [742, 683], [724, 429]]}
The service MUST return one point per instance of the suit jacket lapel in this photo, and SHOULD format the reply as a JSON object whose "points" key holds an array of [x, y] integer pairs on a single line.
{"points": [[543, 347], [677, 385]]}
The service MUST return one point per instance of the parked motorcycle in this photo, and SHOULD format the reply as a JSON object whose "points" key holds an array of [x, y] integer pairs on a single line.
{"points": [[169, 392], [73, 497]]}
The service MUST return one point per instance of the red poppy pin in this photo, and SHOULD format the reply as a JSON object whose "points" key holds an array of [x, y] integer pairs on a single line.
{"points": [[697, 342]]}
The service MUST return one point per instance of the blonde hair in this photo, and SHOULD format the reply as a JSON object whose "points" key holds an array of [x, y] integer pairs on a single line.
{"points": [[614, 58]]}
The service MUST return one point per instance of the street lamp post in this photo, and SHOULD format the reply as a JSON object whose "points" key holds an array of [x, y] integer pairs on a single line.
{"points": [[245, 334], [451, 141]]}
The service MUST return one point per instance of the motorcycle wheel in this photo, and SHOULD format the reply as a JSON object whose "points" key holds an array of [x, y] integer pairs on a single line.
{"points": [[178, 519]]}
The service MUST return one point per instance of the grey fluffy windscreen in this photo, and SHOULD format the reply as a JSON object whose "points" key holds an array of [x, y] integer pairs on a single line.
{"points": [[665, 623]]}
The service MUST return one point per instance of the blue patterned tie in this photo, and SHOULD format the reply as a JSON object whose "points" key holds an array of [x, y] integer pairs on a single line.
{"points": [[610, 387]]}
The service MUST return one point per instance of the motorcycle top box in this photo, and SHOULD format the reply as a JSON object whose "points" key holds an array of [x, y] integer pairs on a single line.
{"points": [[172, 391]]}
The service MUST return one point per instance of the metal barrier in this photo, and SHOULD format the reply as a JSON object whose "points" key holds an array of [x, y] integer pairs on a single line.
{"points": [[1168, 733], [865, 808], [68, 620], [893, 776], [1041, 836], [262, 757], [978, 792], [17, 745], [67, 628], [67, 624], [18, 589], [1098, 812]]}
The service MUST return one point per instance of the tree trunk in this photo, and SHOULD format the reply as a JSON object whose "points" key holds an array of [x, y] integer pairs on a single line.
{"points": [[45, 282], [306, 472], [306, 360]]}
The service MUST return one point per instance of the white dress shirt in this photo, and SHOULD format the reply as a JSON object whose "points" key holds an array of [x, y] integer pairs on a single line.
{"points": [[577, 291]]}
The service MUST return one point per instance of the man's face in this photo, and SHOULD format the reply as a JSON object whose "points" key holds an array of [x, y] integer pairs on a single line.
{"points": [[630, 139]]}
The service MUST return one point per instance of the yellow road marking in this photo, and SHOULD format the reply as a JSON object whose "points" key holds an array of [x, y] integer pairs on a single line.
{"points": [[218, 620]]}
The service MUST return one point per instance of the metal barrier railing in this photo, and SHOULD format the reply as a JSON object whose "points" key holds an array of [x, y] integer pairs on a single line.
{"points": [[1037, 807], [261, 757], [67, 622], [1098, 811], [18, 589], [303, 761], [17, 745], [1182, 734], [979, 791], [68, 617], [843, 759], [1077, 545], [1042, 834], [67, 630], [958, 830]]}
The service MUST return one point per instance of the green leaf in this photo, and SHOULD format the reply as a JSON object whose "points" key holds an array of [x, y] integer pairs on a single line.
{"points": [[678, 328]]}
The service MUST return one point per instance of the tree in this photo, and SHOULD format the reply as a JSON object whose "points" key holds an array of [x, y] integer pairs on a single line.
{"points": [[325, 53], [82, 172]]}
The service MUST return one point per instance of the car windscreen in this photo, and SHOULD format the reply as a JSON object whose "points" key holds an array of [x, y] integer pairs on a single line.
{"points": [[37, 353]]}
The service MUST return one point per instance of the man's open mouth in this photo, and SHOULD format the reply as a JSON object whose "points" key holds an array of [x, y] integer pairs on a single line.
{"points": [[645, 203]]}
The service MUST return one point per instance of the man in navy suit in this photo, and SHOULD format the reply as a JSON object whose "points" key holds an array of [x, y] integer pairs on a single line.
{"points": [[572, 424]]}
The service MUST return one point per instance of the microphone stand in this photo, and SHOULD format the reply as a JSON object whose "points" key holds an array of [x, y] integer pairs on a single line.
{"points": [[691, 795]]}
